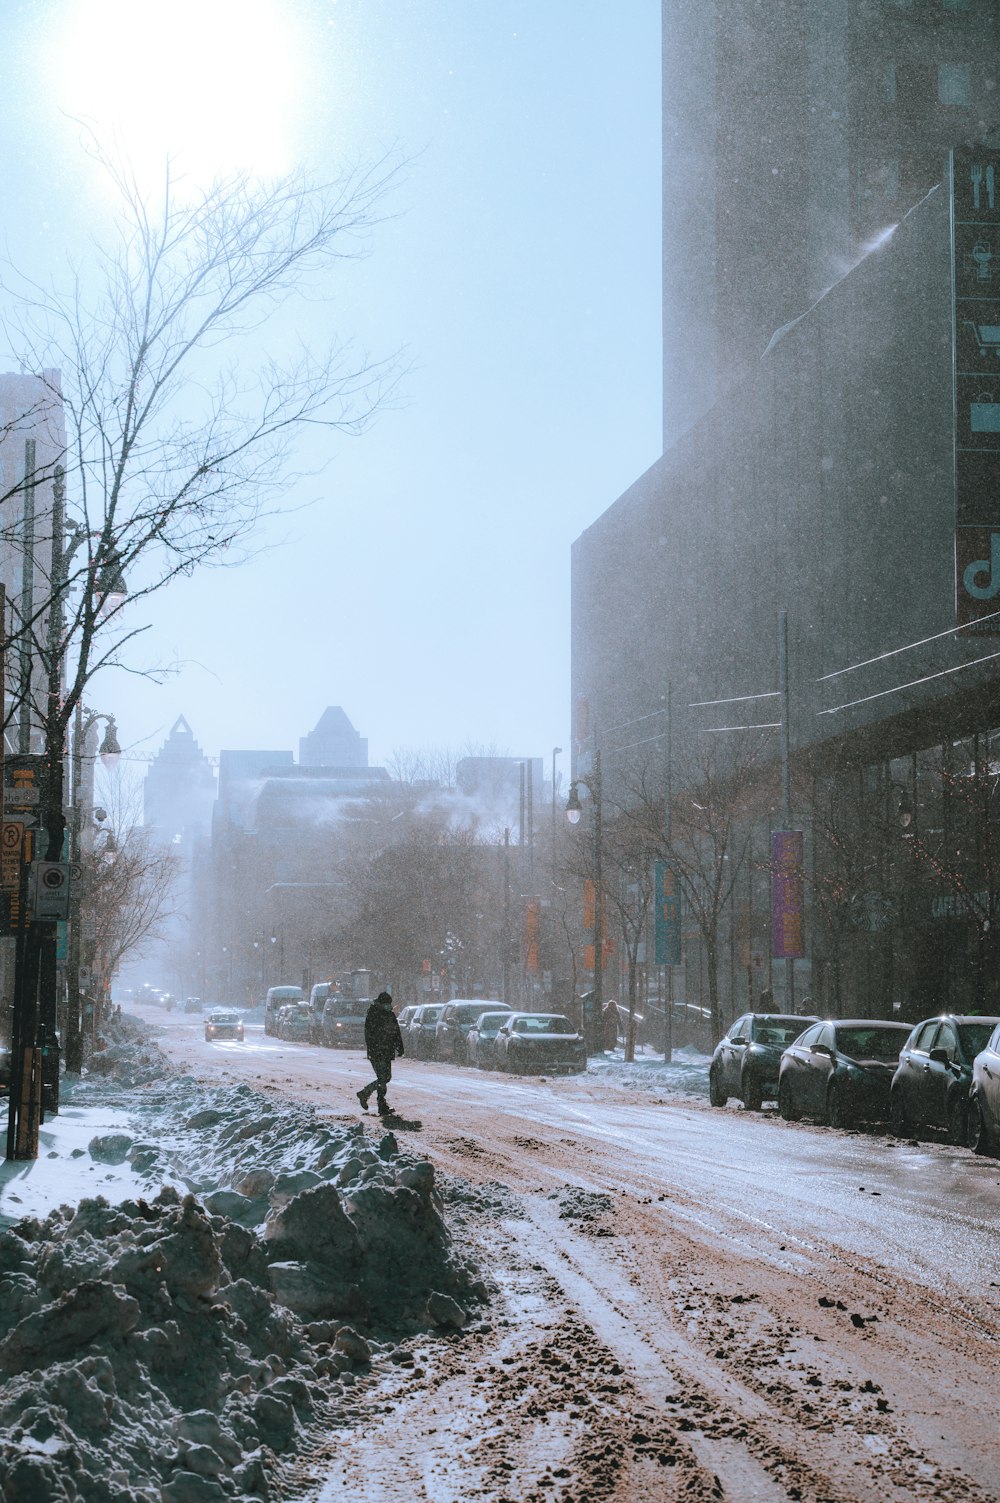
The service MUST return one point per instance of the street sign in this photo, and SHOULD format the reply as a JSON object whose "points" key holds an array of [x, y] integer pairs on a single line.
{"points": [[49, 890], [667, 901], [22, 781], [975, 193], [15, 849], [787, 929]]}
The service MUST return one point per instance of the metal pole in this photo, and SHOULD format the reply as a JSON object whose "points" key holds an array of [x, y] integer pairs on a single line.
{"points": [[27, 602], [786, 783], [668, 794], [555, 753], [74, 1033], [505, 957], [598, 892]]}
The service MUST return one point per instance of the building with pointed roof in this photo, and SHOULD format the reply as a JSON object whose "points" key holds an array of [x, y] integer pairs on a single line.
{"points": [[179, 789], [333, 742]]}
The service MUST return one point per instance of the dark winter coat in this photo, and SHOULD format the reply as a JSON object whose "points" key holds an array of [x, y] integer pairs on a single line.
{"points": [[383, 1039]]}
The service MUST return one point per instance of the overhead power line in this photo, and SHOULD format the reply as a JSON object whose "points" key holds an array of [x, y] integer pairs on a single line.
{"points": [[914, 683], [895, 651]]}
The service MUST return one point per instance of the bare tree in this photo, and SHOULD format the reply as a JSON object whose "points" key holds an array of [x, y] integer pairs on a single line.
{"points": [[176, 444], [719, 789], [128, 884]]}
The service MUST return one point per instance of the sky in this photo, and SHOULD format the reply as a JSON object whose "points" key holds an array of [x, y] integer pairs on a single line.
{"points": [[425, 585]]}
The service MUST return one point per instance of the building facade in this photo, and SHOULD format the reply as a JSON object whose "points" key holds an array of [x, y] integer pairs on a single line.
{"points": [[789, 575], [795, 132]]}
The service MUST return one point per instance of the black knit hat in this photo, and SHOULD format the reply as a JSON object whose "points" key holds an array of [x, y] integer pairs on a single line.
{"points": [[384, 997]]}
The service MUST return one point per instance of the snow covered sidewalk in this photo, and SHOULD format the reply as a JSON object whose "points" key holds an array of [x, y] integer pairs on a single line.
{"points": [[192, 1279], [685, 1075]]}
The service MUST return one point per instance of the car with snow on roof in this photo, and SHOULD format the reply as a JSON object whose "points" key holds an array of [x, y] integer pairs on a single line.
{"points": [[534, 1043]]}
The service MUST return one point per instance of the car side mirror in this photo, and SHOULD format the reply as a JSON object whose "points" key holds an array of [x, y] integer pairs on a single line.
{"points": [[821, 1049], [739, 1039], [939, 1056]]}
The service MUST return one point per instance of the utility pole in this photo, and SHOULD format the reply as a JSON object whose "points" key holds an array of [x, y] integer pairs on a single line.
{"points": [[786, 781], [668, 794], [505, 957]]}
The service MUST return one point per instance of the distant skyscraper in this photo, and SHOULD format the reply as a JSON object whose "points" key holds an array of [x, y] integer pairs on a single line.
{"points": [[333, 742], [794, 133], [179, 788]]}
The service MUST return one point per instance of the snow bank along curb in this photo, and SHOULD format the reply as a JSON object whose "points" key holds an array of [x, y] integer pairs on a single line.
{"points": [[165, 1349]]}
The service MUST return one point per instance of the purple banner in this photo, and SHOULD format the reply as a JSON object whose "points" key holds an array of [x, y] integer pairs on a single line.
{"points": [[787, 932]]}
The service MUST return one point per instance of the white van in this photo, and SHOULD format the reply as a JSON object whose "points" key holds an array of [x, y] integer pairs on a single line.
{"points": [[279, 996]]}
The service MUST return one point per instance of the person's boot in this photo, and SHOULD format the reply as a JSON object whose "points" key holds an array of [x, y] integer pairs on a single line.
{"points": [[384, 1109], [363, 1098]]}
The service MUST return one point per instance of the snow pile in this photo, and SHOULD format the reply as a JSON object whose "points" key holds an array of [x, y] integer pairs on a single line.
{"points": [[166, 1349], [686, 1075]]}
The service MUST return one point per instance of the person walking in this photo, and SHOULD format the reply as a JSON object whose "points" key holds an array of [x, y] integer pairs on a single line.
{"points": [[383, 1042]]}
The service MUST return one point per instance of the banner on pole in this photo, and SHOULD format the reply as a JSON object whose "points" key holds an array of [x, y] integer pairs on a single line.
{"points": [[532, 934], [787, 925], [668, 915]]}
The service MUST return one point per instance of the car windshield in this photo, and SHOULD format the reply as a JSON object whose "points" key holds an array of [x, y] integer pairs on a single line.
{"points": [[778, 1031], [544, 1023], [871, 1043], [224, 1017], [492, 1022], [975, 1036], [467, 1014]]}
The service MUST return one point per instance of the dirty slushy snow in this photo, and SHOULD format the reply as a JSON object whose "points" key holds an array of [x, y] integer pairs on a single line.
{"points": [[191, 1280]]}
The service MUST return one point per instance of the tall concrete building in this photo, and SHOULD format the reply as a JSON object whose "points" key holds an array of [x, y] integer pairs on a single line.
{"points": [[333, 742], [179, 789], [832, 464], [795, 133]]}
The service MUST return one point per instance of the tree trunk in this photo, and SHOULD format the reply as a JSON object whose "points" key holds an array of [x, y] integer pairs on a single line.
{"points": [[712, 963], [630, 1035]]}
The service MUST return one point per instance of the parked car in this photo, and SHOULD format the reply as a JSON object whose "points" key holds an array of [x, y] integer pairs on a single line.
{"points": [[192, 1004], [539, 1042], [481, 1039], [984, 1100], [404, 1019], [419, 1041], [343, 1021], [294, 1022], [223, 1023], [931, 1084], [451, 1030], [5, 1072], [746, 1059], [840, 1072], [318, 997], [277, 998]]}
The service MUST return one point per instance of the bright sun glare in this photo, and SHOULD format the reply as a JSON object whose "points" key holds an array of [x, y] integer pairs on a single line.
{"points": [[214, 82]]}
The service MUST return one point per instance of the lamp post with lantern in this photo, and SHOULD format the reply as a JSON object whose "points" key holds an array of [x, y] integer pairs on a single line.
{"points": [[110, 753], [573, 811]]}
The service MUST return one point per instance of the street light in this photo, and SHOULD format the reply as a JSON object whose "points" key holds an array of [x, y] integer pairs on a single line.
{"points": [[109, 752], [573, 811]]}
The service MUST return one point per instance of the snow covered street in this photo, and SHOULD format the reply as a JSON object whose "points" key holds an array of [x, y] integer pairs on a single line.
{"points": [[687, 1302]]}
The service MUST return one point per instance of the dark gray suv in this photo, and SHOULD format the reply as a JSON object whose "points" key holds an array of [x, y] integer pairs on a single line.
{"points": [[451, 1032]]}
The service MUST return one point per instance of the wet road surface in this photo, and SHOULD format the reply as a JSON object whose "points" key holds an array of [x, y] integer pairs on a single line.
{"points": [[811, 1313]]}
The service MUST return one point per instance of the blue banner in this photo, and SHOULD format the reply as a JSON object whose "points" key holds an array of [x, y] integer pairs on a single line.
{"points": [[668, 915]]}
